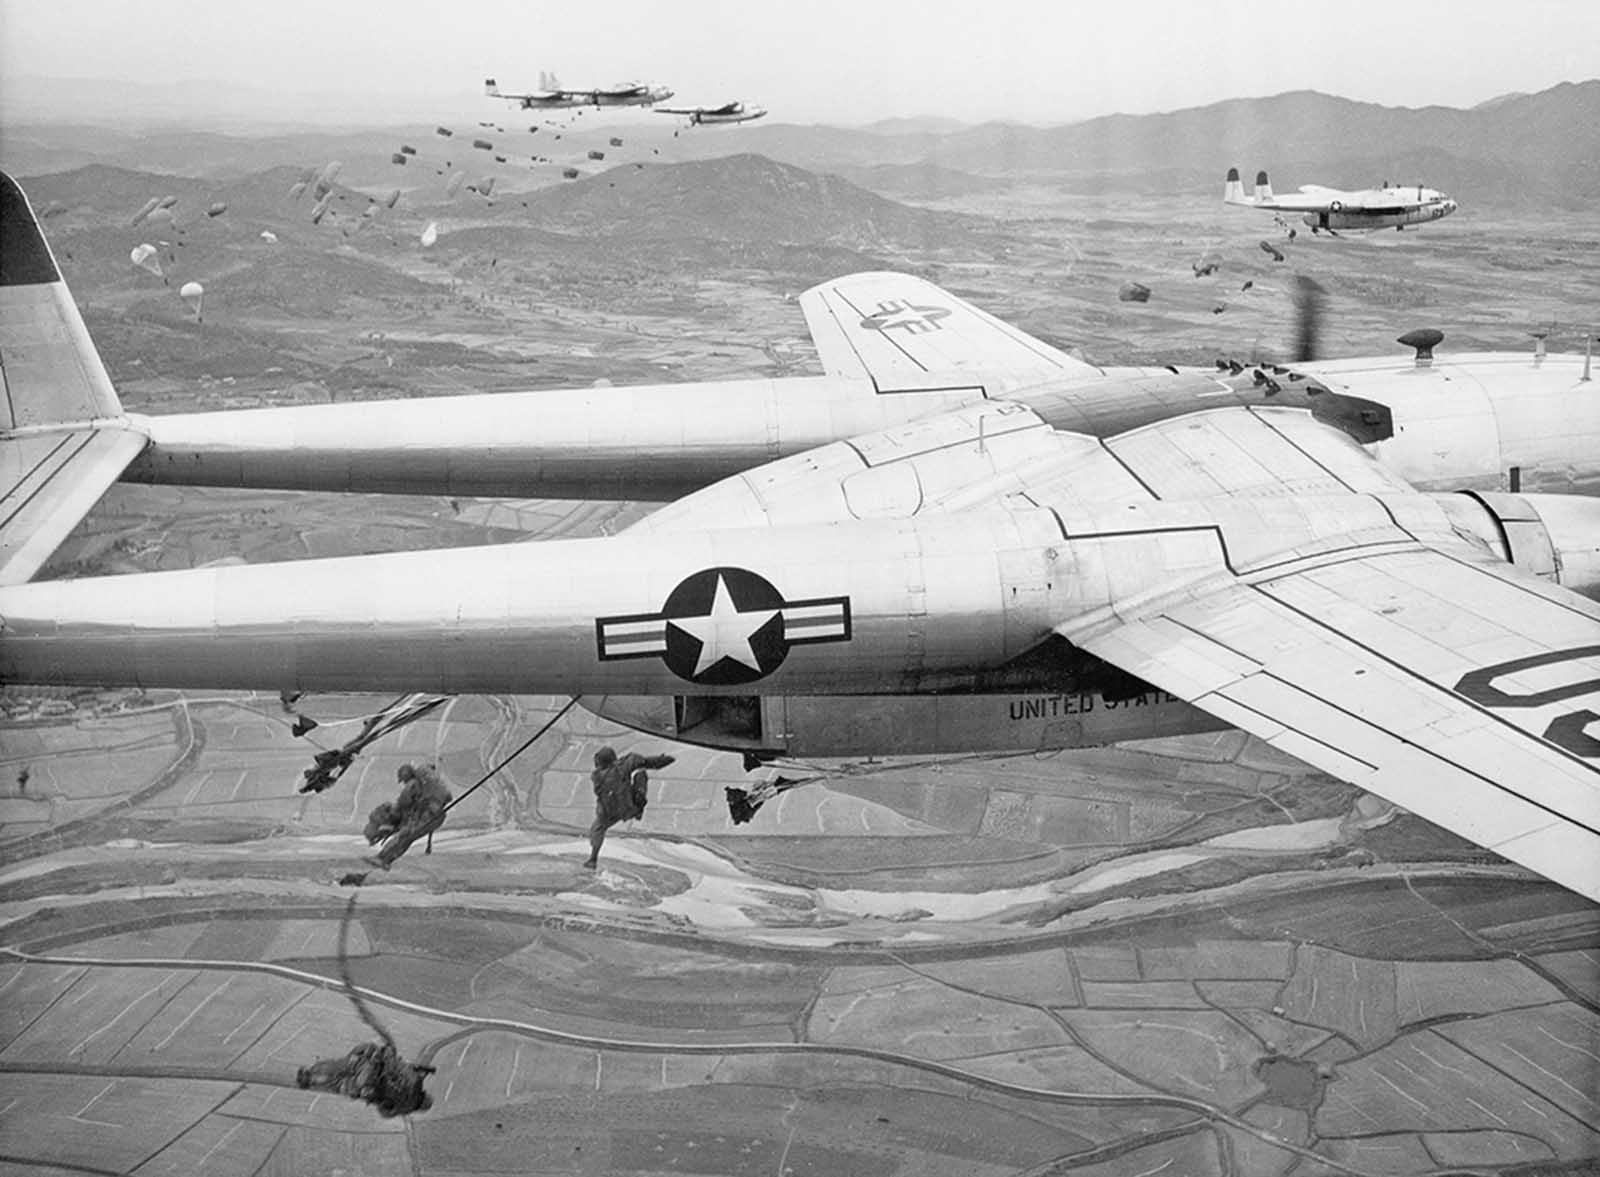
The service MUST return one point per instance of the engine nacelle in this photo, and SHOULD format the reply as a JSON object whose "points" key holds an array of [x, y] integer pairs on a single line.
{"points": [[899, 725], [1554, 537]]}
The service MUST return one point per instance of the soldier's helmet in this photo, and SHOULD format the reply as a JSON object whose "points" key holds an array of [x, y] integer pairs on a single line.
{"points": [[405, 772], [605, 756]]}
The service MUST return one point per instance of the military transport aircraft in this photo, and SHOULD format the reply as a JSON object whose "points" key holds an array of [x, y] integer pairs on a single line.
{"points": [[728, 112], [1332, 209], [1009, 549], [552, 96]]}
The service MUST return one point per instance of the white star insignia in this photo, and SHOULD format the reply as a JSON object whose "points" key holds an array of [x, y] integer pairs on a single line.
{"points": [[725, 632]]}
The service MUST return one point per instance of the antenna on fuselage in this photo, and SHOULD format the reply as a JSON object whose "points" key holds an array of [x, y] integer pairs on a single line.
{"points": [[1424, 340]]}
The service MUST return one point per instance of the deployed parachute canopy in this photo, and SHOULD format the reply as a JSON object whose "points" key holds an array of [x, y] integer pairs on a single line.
{"points": [[147, 257], [430, 234], [269, 236], [392, 199], [297, 190], [453, 184], [194, 294], [486, 185], [146, 209], [217, 209]]}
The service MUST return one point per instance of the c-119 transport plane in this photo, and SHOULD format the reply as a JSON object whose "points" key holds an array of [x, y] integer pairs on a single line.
{"points": [[1007, 549], [728, 112], [1388, 207], [553, 96]]}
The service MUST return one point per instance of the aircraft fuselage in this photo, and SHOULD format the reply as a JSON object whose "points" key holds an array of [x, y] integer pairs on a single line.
{"points": [[1498, 421], [1397, 218]]}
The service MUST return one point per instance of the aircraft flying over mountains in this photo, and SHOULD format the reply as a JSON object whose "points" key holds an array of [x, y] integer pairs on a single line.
{"points": [[1332, 209], [553, 96], [959, 538], [728, 112]]}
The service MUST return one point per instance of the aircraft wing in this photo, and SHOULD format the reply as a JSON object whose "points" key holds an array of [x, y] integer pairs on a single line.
{"points": [[898, 329], [1314, 199], [1453, 685], [1301, 202]]}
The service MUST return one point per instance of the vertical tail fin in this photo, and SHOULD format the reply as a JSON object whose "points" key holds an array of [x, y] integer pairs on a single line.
{"points": [[1233, 190], [50, 373], [1263, 187], [490, 88], [63, 436]]}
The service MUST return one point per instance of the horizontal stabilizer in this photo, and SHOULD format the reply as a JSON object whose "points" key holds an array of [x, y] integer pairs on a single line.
{"points": [[900, 330], [48, 481]]}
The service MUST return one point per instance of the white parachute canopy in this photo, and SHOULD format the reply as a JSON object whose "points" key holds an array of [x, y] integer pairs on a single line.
{"points": [[147, 257], [269, 236], [453, 184], [430, 234], [194, 294]]}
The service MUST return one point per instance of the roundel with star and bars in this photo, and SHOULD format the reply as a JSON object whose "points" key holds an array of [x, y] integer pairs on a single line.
{"points": [[723, 627]]}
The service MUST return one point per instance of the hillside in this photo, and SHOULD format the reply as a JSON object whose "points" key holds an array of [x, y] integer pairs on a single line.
{"points": [[738, 198], [919, 181]]}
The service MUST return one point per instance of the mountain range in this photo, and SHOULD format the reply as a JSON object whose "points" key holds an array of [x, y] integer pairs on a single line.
{"points": [[1516, 150]]}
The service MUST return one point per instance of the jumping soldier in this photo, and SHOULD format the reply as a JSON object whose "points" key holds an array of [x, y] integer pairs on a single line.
{"points": [[621, 791], [416, 813], [374, 1073]]}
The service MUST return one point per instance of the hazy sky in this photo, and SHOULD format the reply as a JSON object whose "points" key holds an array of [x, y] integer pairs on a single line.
{"points": [[820, 60]]}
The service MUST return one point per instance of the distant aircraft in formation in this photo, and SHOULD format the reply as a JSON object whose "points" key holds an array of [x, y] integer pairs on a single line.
{"points": [[959, 538], [728, 112], [553, 96], [1332, 209]]}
